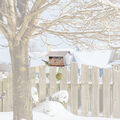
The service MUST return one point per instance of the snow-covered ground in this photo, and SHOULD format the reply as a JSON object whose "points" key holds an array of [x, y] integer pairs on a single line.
{"points": [[57, 112], [53, 110]]}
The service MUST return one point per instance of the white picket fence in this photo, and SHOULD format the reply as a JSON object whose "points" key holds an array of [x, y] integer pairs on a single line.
{"points": [[89, 94]]}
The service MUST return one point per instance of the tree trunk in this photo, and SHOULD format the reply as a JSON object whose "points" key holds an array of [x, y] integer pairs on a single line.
{"points": [[22, 101]]}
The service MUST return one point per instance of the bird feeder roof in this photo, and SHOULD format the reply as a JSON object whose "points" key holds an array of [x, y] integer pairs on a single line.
{"points": [[58, 53]]}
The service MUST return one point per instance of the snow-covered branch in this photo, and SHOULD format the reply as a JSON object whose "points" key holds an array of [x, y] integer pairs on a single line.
{"points": [[75, 21], [109, 3]]}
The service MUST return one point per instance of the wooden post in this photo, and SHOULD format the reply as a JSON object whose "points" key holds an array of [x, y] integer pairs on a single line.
{"points": [[53, 85], [42, 83], [116, 94], [74, 88], [95, 91], [84, 90], [106, 92]]}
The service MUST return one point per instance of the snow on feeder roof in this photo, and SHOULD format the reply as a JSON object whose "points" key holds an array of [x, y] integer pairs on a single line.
{"points": [[58, 53]]}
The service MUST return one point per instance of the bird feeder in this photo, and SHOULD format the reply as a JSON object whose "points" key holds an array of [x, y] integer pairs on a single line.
{"points": [[59, 58]]}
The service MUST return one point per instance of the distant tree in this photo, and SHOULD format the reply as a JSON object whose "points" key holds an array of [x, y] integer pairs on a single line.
{"points": [[87, 24]]}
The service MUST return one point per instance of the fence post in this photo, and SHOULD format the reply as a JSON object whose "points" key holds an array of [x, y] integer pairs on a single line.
{"points": [[53, 85], [106, 92], [42, 83], [116, 94], [95, 91], [84, 90], [74, 88]]}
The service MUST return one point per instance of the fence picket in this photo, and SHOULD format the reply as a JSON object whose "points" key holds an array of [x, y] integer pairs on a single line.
{"points": [[10, 93], [1, 101], [116, 94], [106, 92], [84, 90], [95, 91], [53, 85], [74, 88], [5, 92], [42, 83], [63, 82]]}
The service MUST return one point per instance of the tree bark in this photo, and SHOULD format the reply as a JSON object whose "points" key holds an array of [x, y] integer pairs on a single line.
{"points": [[22, 101]]}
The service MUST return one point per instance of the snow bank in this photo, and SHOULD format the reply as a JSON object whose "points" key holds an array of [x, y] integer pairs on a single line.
{"points": [[61, 115], [61, 96], [52, 110], [6, 116]]}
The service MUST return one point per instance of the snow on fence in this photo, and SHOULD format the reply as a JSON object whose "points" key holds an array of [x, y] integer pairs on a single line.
{"points": [[89, 94]]}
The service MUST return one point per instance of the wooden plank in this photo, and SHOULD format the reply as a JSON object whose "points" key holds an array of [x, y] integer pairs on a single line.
{"points": [[1, 102], [53, 85], [84, 90], [74, 88], [10, 93], [42, 83], [106, 92], [69, 92], [116, 94], [95, 91], [5, 94], [63, 82]]}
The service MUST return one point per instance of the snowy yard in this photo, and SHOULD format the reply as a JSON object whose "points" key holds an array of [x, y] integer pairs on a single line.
{"points": [[58, 113], [53, 110]]}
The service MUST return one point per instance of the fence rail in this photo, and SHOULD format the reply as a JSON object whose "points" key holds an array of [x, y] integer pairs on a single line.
{"points": [[89, 94]]}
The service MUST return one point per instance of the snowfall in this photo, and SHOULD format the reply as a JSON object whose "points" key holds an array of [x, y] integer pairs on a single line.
{"points": [[52, 109]]}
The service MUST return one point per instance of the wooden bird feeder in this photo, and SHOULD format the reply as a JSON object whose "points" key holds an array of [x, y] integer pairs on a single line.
{"points": [[59, 58]]}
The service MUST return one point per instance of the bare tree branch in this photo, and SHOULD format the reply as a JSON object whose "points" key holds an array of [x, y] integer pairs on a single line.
{"points": [[28, 19], [2, 24], [83, 19], [5, 32], [21, 10], [12, 18]]}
